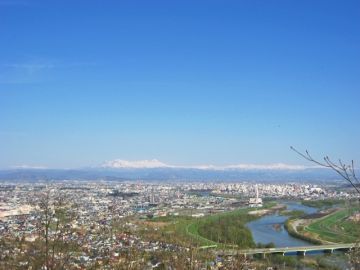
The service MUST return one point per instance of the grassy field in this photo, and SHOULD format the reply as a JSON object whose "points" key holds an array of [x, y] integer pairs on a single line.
{"points": [[323, 203], [181, 230], [335, 227], [228, 228], [221, 230]]}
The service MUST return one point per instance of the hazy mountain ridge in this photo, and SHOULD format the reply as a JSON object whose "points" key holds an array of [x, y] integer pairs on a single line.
{"points": [[168, 174]]}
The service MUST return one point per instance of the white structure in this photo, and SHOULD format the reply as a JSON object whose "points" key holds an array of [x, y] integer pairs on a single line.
{"points": [[256, 202]]}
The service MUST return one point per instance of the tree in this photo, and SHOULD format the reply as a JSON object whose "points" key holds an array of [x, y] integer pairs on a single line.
{"points": [[52, 249], [239, 262], [347, 172]]}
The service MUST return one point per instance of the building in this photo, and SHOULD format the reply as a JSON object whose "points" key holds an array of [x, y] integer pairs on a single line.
{"points": [[256, 202]]}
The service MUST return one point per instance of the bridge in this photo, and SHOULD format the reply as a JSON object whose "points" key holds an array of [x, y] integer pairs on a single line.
{"points": [[330, 248]]}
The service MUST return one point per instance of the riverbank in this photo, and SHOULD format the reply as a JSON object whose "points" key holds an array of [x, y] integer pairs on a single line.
{"points": [[268, 211], [292, 226], [326, 227], [221, 230], [229, 229], [271, 228]]}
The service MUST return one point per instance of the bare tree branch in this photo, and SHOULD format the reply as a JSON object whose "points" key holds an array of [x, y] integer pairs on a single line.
{"points": [[346, 171]]}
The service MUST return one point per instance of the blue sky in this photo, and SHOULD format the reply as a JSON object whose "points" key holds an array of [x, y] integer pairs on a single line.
{"points": [[186, 82]]}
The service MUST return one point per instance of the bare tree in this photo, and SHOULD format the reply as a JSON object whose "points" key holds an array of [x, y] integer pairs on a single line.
{"points": [[346, 171], [239, 262], [52, 249], [354, 257]]}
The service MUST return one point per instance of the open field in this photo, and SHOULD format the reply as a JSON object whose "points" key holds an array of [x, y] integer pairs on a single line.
{"points": [[333, 227], [221, 230], [181, 230], [336, 227], [228, 228], [323, 203]]}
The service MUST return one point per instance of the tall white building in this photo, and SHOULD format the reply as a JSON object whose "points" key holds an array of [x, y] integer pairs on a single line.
{"points": [[256, 202]]}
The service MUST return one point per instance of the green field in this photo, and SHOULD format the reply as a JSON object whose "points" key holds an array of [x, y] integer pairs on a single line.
{"points": [[181, 230], [328, 203], [336, 227], [227, 228], [220, 230]]}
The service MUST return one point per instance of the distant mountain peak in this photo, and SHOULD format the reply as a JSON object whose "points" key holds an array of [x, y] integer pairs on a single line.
{"points": [[137, 164], [29, 167], [154, 163], [273, 166]]}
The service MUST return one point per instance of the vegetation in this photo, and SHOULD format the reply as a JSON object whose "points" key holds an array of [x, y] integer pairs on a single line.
{"points": [[181, 230], [228, 228], [281, 261], [323, 203], [52, 249], [288, 226], [293, 214], [348, 173], [354, 257], [221, 230], [336, 227]]}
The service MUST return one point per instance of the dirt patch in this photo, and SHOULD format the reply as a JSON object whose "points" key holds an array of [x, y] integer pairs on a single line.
{"points": [[355, 217], [158, 224], [259, 212]]}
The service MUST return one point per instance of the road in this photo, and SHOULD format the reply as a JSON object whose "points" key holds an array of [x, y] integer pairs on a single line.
{"points": [[284, 250]]}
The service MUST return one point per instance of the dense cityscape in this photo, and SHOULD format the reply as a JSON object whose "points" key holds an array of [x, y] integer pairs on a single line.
{"points": [[106, 219]]}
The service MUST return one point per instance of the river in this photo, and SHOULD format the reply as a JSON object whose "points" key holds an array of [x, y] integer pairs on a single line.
{"points": [[270, 228]]}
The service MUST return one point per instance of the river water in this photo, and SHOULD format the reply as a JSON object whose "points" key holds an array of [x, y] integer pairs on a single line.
{"points": [[270, 228]]}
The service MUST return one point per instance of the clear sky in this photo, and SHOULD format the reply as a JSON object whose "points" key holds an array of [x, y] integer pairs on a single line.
{"points": [[186, 82]]}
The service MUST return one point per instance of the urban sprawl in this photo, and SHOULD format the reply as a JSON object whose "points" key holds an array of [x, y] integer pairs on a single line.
{"points": [[96, 205]]}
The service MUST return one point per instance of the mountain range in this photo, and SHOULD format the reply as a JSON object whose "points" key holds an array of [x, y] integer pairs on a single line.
{"points": [[154, 170]]}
